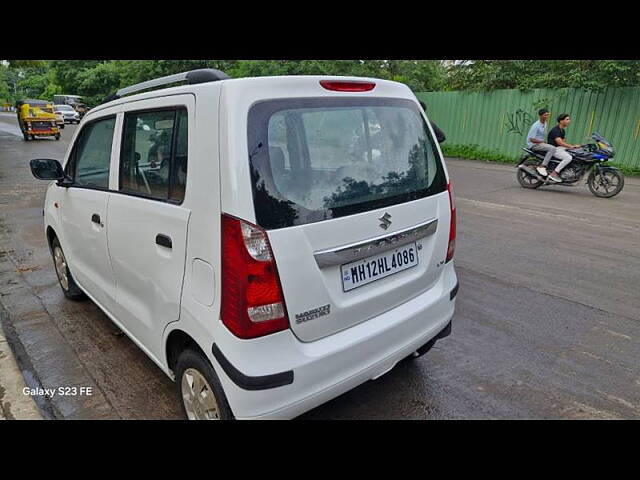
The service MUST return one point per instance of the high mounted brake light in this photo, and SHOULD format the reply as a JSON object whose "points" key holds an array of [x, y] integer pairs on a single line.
{"points": [[347, 86], [252, 299]]}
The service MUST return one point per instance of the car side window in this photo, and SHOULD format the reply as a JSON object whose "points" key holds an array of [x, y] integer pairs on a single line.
{"points": [[92, 154], [153, 159]]}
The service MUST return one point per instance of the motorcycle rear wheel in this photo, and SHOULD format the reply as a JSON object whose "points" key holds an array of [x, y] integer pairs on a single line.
{"points": [[606, 183], [526, 180]]}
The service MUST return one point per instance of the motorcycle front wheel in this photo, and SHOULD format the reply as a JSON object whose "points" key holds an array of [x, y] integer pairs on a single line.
{"points": [[605, 183], [525, 179]]}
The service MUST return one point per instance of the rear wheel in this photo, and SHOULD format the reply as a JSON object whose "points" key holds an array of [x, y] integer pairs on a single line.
{"points": [[200, 390], [525, 179], [67, 283], [605, 183]]}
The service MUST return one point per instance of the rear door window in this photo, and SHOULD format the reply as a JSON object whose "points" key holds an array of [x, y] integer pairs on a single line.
{"points": [[315, 159], [153, 160]]}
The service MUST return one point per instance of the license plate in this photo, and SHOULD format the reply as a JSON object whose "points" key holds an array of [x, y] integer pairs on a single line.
{"points": [[370, 269]]}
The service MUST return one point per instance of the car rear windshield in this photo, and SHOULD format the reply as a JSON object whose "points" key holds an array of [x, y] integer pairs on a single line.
{"points": [[319, 158]]}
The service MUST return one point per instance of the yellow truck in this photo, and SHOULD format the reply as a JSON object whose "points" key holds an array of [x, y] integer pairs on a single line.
{"points": [[37, 118]]}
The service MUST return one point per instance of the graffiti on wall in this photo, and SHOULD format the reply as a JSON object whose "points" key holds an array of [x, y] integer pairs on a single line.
{"points": [[518, 122]]}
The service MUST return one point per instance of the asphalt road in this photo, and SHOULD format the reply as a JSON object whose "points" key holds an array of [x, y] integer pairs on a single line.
{"points": [[547, 318]]}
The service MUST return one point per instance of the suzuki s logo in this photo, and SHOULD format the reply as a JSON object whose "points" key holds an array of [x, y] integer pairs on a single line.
{"points": [[385, 219]]}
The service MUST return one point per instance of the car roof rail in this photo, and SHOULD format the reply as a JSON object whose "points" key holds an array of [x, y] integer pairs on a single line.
{"points": [[192, 77]]}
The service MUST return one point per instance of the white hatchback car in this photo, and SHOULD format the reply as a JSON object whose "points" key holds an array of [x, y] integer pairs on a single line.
{"points": [[270, 243], [68, 113]]}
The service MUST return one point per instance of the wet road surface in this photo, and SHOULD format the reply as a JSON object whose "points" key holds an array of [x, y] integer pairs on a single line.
{"points": [[547, 318]]}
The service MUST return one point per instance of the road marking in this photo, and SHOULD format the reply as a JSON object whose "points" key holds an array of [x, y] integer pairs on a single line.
{"points": [[616, 334], [619, 400]]}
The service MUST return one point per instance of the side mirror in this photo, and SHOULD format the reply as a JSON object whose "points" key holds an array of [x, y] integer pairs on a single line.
{"points": [[46, 169]]}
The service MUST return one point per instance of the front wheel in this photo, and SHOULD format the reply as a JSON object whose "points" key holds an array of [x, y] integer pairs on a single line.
{"points": [[605, 183], [525, 179], [67, 283], [58, 137]]}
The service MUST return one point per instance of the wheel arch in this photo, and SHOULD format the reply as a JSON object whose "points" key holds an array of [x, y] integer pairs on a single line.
{"points": [[178, 341], [51, 234]]}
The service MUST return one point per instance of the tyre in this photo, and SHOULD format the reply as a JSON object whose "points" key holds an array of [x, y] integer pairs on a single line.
{"points": [[525, 179], [62, 126], [605, 183], [58, 137], [65, 279], [199, 389], [26, 137]]}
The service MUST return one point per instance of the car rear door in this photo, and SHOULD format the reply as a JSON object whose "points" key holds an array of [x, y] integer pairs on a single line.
{"points": [[148, 216], [354, 197]]}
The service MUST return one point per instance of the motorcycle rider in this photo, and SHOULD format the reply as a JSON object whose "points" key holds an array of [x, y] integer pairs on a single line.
{"points": [[556, 138], [536, 143]]}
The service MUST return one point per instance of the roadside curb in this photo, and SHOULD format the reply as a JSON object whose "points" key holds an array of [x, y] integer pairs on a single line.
{"points": [[14, 404]]}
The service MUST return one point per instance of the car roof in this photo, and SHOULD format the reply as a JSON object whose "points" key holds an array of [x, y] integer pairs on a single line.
{"points": [[257, 82]]}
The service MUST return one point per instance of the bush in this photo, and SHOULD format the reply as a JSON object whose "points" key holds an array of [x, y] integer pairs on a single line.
{"points": [[474, 152]]}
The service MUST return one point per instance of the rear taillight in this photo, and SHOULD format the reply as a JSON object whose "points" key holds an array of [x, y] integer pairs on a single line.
{"points": [[347, 86], [252, 300], [451, 248]]}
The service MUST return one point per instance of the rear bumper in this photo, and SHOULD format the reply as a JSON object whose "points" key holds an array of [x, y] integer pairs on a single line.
{"points": [[279, 377]]}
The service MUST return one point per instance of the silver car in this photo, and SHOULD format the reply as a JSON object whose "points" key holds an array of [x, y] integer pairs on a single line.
{"points": [[68, 113]]}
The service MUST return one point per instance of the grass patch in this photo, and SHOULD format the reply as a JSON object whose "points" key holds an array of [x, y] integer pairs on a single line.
{"points": [[625, 169], [474, 152]]}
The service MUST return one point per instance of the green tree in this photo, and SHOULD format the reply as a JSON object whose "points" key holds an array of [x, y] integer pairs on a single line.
{"points": [[527, 74], [97, 79]]}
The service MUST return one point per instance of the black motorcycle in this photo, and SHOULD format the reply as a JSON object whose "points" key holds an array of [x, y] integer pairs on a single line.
{"points": [[604, 181]]}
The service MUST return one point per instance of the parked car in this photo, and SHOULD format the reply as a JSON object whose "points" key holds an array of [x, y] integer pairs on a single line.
{"points": [[69, 114], [59, 118], [258, 251], [75, 101]]}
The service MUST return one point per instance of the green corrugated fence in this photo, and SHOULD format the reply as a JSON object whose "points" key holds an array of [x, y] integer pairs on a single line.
{"points": [[500, 120]]}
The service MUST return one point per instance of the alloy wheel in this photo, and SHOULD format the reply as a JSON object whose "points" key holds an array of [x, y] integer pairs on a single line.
{"points": [[198, 397], [61, 267]]}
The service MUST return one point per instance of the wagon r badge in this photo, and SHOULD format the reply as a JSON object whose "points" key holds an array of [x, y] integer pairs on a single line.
{"points": [[313, 313], [385, 221]]}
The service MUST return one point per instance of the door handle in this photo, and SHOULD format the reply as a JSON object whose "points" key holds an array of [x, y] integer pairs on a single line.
{"points": [[95, 218], [164, 240]]}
